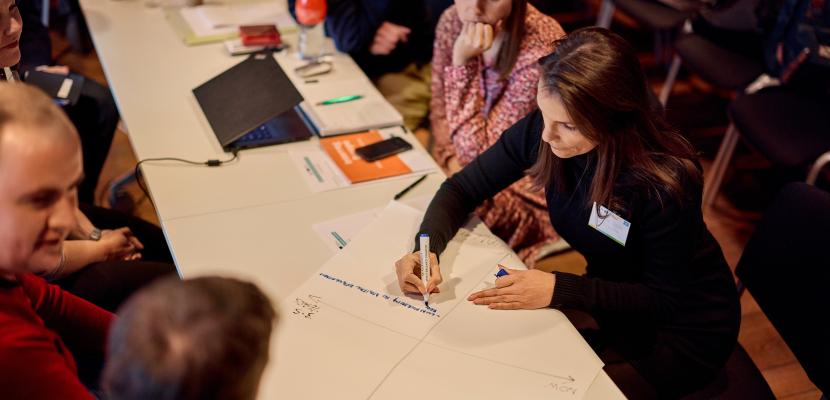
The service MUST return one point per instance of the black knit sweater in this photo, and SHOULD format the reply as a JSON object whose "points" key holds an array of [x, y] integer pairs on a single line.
{"points": [[667, 296]]}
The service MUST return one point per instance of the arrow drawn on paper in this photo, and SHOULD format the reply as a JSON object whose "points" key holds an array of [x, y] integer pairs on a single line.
{"points": [[569, 378]]}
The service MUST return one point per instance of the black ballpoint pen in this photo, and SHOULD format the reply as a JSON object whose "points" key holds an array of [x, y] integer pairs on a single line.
{"points": [[408, 188]]}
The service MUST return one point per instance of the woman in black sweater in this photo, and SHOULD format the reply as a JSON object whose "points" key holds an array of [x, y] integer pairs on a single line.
{"points": [[624, 189]]}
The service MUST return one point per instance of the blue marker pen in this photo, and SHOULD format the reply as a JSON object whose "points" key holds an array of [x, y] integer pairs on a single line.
{"points": [[501, 272]]}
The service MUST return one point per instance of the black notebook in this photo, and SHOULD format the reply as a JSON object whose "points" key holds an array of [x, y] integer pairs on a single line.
{"points": [[253, 104], [64, 89]]}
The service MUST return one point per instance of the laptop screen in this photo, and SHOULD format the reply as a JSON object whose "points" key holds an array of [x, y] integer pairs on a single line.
{"points": [[245, 97]]}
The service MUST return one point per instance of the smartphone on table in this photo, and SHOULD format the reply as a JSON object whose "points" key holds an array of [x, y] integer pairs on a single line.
{"points": [[383, 149]]}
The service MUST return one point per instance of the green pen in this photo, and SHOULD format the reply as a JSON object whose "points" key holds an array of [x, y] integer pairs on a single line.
{"points": [[341, 99]]}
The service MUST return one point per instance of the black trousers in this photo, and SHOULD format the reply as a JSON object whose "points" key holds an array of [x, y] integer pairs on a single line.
{"points": [[155, 244], [109, 284], [95, 116]]}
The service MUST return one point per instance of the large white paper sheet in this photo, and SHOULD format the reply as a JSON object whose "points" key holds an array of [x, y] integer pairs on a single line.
{"points": [[337, 233], [362, 338]]}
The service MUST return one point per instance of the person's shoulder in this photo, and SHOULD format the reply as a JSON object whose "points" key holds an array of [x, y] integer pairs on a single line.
{"points": [[677, 186], [34, 286], [529, 128], [541, 33], [686, 172], [33, 363], [449, 20], [533, 121], [542, 27], [18, 320], [18, 326]]}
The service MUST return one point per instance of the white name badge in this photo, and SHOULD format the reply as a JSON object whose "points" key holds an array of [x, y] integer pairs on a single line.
{"points": [[610, 224], [66, 86]]}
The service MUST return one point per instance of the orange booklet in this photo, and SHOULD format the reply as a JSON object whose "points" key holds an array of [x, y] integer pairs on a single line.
{"points": [[341, 150]]}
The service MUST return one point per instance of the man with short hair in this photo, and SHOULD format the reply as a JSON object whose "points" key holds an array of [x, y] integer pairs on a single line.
{"points": [[43, 330], [216, 331], [100, 264], [204, 338]]}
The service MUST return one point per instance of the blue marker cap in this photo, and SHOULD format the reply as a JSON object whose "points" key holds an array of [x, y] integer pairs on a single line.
{"points": [[501, 273]]}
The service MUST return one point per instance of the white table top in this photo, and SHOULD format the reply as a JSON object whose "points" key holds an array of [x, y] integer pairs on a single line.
{"points": [[251, 218]]}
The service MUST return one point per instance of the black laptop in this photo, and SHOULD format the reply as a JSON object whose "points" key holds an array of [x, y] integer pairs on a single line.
{"points": [[253, 104]]}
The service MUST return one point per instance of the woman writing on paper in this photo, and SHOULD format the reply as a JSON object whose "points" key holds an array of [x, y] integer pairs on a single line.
{"points": [[484, 75], [624, 189]]}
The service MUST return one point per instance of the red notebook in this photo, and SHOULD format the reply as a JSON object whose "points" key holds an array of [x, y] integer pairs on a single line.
{"points": [[260, 35]]}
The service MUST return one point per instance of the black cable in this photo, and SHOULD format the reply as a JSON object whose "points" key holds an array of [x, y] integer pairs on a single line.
{"points": [[209, 163]]}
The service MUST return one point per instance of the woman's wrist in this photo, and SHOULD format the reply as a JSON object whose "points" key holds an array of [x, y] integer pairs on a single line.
{"points": [[459, 60], [101, 252], [85, 252]]}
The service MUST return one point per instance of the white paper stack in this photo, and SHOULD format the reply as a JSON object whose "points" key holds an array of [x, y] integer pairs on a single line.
{"points": [[213, 22], [370, 112]]}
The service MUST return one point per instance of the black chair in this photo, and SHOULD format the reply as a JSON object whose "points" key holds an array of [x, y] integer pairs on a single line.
{"points": [[786, 267], [717, 65], [723, 46], [739, 379], [650, 13], [663, 19], [789, 127]]}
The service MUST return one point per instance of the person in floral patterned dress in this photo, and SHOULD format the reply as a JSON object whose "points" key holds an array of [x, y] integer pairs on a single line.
{"points": [[485, 74]]}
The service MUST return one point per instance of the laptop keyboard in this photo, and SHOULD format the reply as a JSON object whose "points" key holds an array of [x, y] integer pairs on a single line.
{"points": [[283, 129], [258, 134]]}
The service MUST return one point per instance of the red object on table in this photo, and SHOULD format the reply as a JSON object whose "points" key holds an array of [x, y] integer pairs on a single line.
{"points": [[260, 35], [310, 12]]}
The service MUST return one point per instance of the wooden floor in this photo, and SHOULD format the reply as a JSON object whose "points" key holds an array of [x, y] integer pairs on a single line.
{"points": [[731, 226]]}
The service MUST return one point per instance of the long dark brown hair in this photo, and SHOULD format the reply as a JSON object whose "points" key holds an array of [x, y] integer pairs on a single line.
{"points": [[597, 76], [514, 27]]}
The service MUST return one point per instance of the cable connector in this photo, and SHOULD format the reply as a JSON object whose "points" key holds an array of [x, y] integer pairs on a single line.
{"points": [[209, 163]]}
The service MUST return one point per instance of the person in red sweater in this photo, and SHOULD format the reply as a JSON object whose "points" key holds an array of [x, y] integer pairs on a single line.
{"points": [[41, 326]]}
